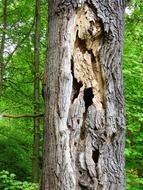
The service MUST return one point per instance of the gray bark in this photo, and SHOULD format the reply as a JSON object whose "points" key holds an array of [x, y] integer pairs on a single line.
{"points": [[84, 115]]}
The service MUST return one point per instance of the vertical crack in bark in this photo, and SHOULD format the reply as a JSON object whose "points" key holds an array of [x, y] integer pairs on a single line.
{"points": [[83, 130], [95, 155], [76, 85], [88, 96], [80, 43]]}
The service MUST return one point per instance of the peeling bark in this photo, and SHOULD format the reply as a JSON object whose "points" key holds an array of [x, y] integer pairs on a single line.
{"points": [[85, 127]]}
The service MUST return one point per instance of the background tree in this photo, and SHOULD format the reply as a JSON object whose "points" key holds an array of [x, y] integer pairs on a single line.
{"points": [[17, 100], [85, 128], [36, 66], [2, 42]]}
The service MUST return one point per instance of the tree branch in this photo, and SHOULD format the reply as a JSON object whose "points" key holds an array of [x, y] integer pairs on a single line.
{"points": [[19, 44], [22, 115]]}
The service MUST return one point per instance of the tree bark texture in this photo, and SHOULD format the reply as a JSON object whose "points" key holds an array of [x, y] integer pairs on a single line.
{"points": [[36, 120], [85, 126]]}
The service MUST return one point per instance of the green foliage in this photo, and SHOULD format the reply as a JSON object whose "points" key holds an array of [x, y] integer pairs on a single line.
{"points": [[15, 150], [134, 182], [16, 135], [133, 78], [8, 182]]}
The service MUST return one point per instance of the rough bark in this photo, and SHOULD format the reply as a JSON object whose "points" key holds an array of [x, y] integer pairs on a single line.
{"points": [[36, 120], [85, 126]]}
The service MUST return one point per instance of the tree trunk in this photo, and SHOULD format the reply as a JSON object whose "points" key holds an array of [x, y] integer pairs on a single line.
{"points": [[2, 43], [36, 120], [85, 126]]}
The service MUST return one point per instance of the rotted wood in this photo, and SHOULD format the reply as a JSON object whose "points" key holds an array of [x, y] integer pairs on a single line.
{"points": [[85, 126]]}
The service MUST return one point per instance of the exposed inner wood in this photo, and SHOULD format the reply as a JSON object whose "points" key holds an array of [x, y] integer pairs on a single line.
{"points": [[88, 90], [86, 64]]}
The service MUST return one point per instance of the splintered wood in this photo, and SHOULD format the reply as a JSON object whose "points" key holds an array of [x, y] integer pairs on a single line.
{"points": [[86, 64], [86, 113]]}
